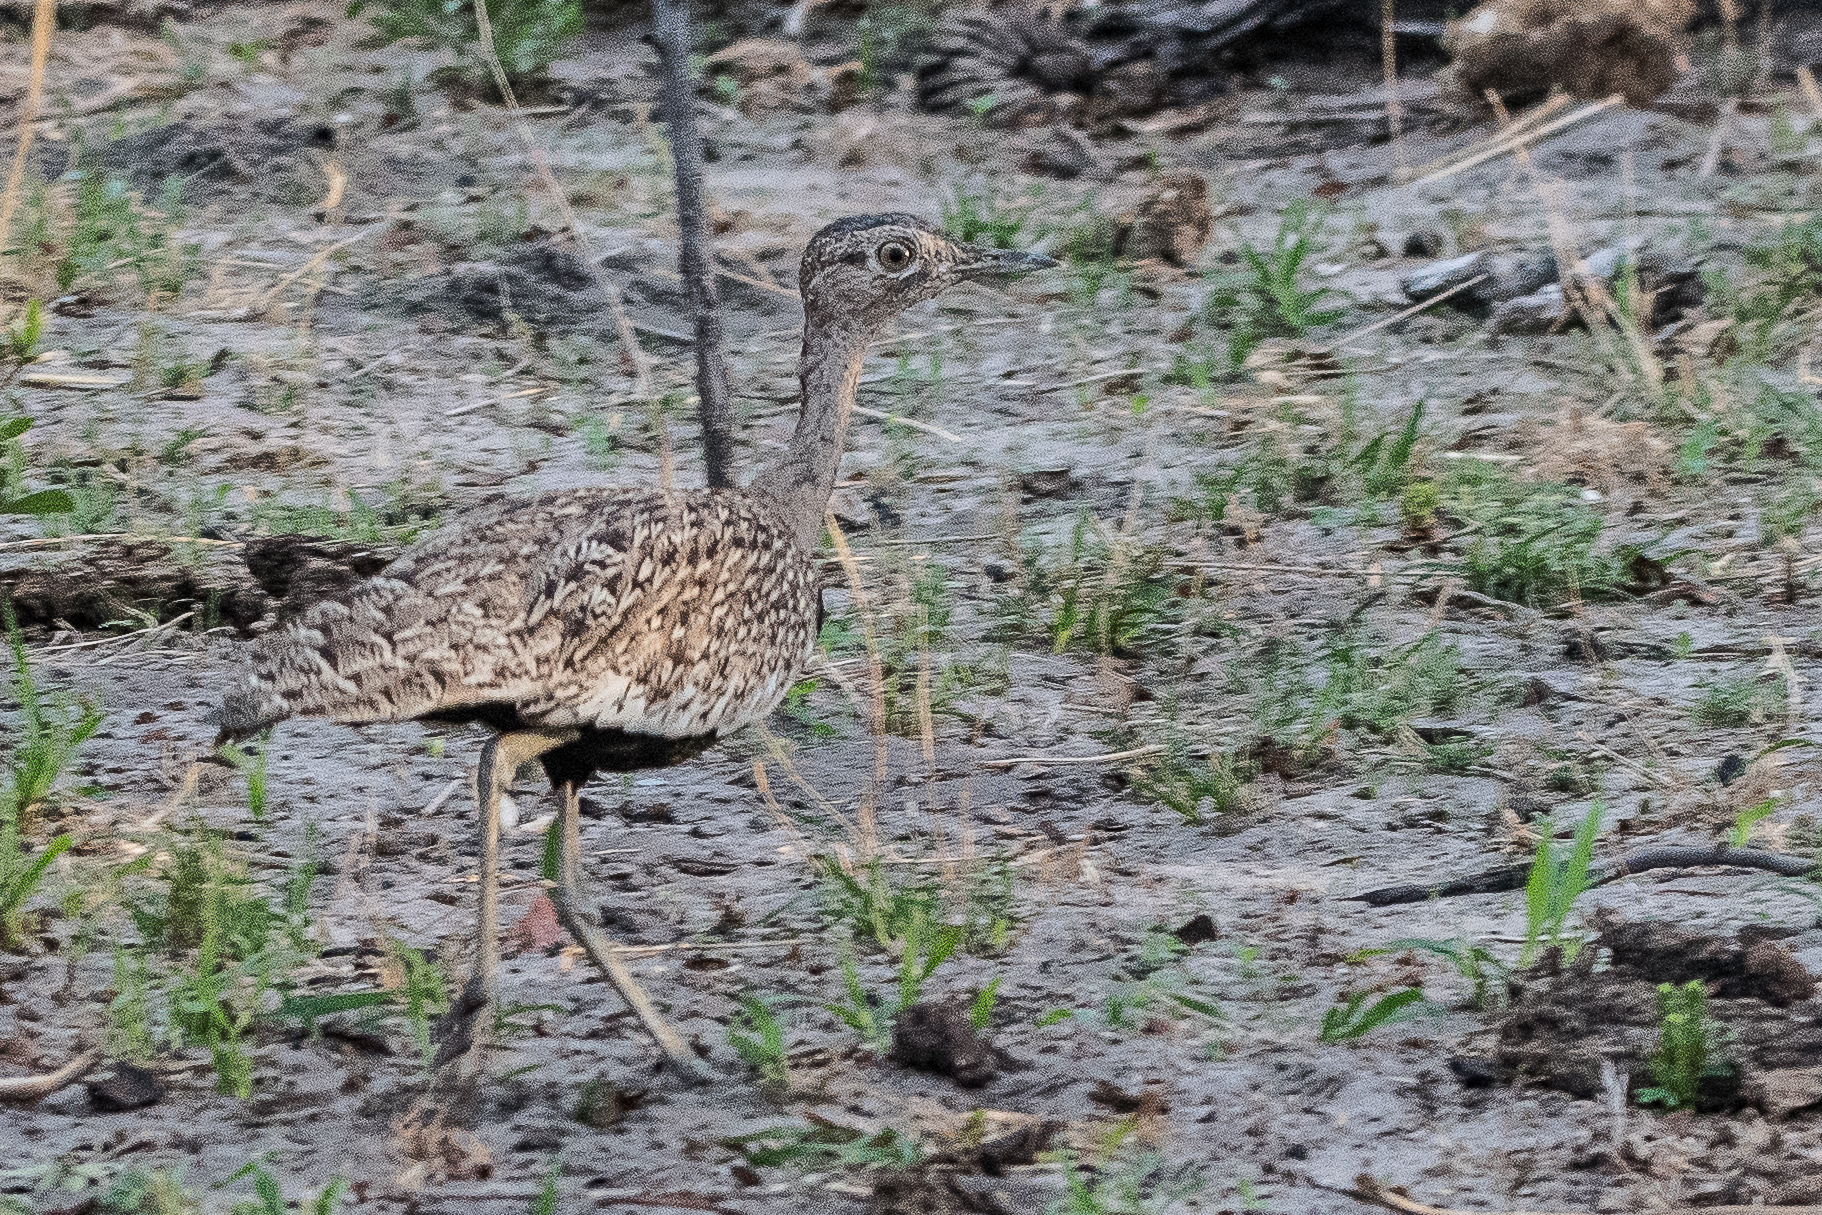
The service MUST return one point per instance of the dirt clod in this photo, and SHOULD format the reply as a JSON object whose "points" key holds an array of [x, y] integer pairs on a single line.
{"points": [[1734, 969], [1588, 48], [125, 1087], [545, 287], [929, 1192], [1198, 930], [938, 1036], [1172, 223], [1147, 1102], [1566, 1021]]}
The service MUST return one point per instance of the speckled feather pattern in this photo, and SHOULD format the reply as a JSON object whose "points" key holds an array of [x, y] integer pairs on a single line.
{"points": [[673, 615]]}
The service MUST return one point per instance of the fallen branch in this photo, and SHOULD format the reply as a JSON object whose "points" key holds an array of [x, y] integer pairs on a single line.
{"points": [[1393, 1198], [1662, 856], [31, 1088]]}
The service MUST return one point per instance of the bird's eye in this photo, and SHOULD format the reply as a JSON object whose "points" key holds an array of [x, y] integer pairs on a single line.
{"points": [[893, 255]]}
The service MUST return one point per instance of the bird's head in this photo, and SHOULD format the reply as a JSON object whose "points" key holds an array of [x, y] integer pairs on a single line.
{"points": [[871, 267]]}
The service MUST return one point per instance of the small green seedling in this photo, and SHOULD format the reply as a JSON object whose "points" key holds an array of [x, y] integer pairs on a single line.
{"points": [[15, 499], [1122, 1182], [1740, 834], [980, 1011], [927, 945], [1265, 300], [527, 34], [46, 740], [1354, 1017], [824, 1145], [252, 763], [269, 1199], [757, 1037], [546, 1201], [1555, 883], [1686, 1047], [19, 340], [1475, 963]]}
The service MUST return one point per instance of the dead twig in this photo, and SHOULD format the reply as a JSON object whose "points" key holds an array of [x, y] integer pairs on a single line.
{"points": [[1413, 310], [714, 412], [913, 423], [1717, 142], [1660, 856], [1549, 106], [31, 1088], [1512, 141], [1108, 758]]}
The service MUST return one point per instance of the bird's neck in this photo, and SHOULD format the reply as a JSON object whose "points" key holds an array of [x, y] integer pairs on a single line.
{"points": [[829, 370]]}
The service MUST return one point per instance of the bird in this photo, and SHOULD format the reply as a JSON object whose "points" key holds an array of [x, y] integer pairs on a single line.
{"points": [[613, 629]]}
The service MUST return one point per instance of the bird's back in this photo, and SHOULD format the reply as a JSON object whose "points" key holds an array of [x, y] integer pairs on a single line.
{"points": [[676, 615]]}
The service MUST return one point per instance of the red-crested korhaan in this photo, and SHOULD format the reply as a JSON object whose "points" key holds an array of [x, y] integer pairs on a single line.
{"points": [[611, 630]]}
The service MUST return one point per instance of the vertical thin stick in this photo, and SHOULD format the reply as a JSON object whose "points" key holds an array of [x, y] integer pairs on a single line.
{"points": [[44, 20], [623, 326], [671, 31], [1388, 51], [869, 824]]}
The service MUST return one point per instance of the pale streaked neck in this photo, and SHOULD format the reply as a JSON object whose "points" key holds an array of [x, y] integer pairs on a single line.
{"points": [[834, 347]]}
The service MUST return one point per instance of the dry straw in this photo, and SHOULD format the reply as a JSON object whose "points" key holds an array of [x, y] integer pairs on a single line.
{"points": [[44, 21], [642, 363]]}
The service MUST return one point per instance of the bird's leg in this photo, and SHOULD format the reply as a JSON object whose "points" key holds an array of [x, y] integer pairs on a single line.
{"points": [[581, 925], [569, 842], [500, 762]]}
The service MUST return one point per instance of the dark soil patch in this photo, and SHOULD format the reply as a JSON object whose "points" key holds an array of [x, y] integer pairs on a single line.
{"points": [[966, 1182], [266, 159], [111, 582], [939, 1037], [1565, 1021], [548, 288]]}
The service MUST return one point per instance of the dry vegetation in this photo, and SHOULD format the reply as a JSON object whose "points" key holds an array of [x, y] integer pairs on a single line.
{"points": [[1308, 531]]}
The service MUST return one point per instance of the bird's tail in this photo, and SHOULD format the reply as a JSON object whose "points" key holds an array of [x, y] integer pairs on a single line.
{"points": [[250, 705]]}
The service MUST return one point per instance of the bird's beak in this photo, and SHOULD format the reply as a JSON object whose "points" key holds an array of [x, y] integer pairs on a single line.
{"points": [[997, 263]]}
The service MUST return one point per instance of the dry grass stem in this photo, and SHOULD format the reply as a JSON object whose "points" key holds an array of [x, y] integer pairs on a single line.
{"points": [[642, 366], [1407, 313], [913, 423], [1394, 108], [1513, 141], [1107, 758], [44, 23]]}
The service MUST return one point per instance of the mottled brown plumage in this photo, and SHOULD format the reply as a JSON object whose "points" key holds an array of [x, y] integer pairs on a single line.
{"points": [[675, 615], [604, 629]]}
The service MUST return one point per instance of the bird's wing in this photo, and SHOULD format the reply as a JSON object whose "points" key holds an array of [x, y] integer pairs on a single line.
{"points": [[690, 621], [426, 632], [635, 609]]}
